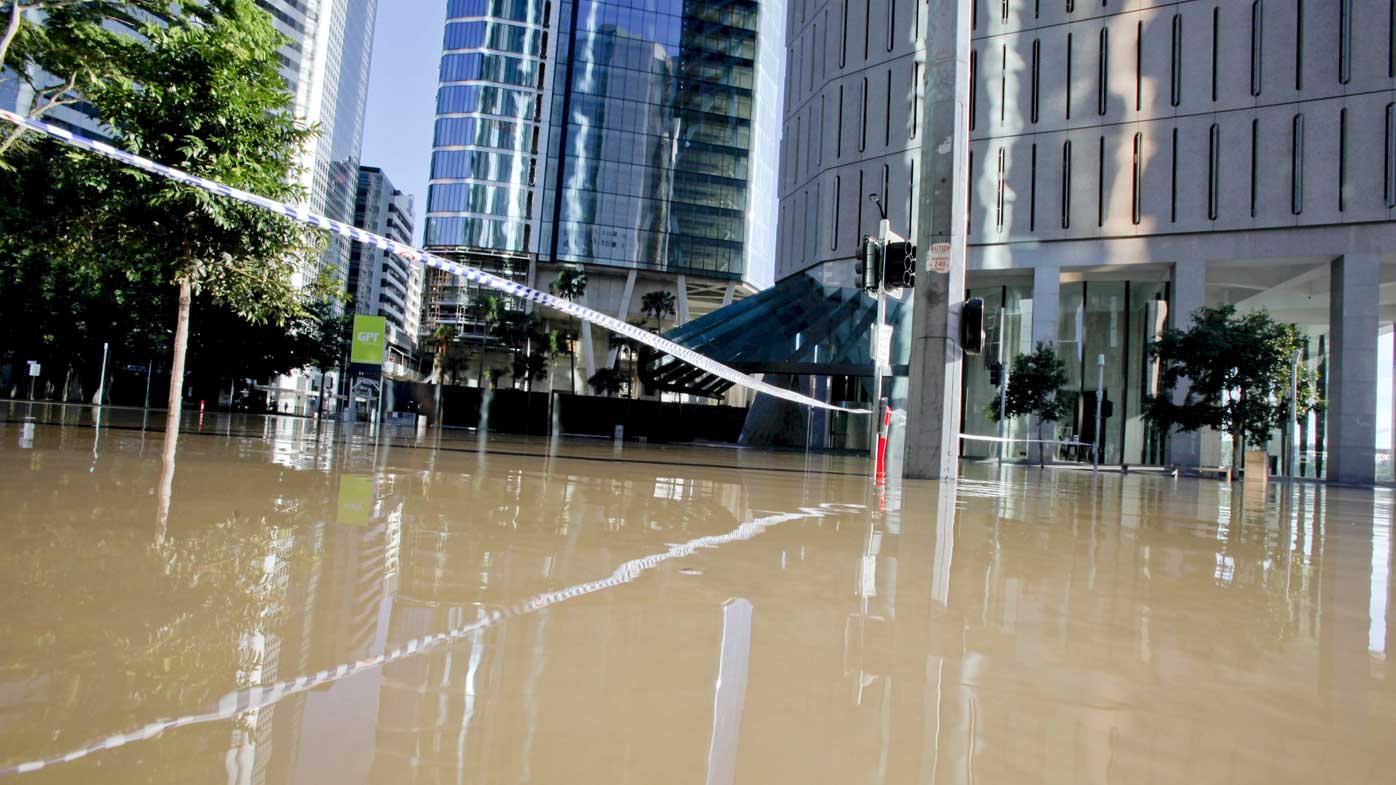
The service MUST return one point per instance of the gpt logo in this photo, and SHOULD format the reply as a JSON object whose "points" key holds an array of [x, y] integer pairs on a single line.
{"points": [[366, 336]]}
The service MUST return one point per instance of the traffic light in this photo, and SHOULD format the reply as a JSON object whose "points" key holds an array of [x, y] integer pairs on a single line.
{"points": [[995, 374], [899, 265], [972, 326], [869, 266]]}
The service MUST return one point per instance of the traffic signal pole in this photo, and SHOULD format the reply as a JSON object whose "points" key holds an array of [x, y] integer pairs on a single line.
{"points": [[933, 405]]}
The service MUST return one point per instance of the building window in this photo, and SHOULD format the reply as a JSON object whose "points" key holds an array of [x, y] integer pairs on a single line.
{"points": [[1342, 158], [863, 130], [1344, 41], [858, 207], [969, 176], [819, 156], [1298, 44], [1255, 162], [834, 218], [843, 44], [1216, 34], [1213, 171], [1003, 82], [1066, 184], [915, 98], [1173, 181], [795, 153], [892, 23], [998, 194], [1004, 10], [1032, 192], [1067, 91], [867, 28], [1138, 65], [1296, 165], [838, 141], [911, 198], [1257, 13], [887, 117], [1036, 78], [1135, 180], [973, 88], [1070, 6], [886, 181], [1100, 185], [1175, 71], [1389, 189]]}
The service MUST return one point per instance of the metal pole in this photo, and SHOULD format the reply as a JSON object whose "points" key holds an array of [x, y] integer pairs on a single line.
{"points": [[149, 370], [102, 380], [884, 227], [1003, 384], [1099, 400], [1293, 435]]}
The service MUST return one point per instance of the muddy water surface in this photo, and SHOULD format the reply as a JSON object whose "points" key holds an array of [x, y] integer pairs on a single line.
{"points": [[325, 606]]}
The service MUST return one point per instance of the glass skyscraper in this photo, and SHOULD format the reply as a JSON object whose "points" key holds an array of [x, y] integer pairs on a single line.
{"points": [[605, 132]]}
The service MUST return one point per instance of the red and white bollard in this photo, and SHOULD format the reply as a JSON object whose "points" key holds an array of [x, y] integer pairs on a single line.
{"points": [[880, 470]]}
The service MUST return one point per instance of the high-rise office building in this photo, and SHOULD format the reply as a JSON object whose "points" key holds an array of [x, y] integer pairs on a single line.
{"points": [[326, 67], [382, 283], [1127, 165], [632, 140]]}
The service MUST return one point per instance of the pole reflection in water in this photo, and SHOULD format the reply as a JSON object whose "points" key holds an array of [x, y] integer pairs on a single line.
{"points": [[1018, 626]]}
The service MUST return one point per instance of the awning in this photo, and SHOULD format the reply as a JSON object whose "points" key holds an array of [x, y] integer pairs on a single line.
{"points": [[799, 326]]}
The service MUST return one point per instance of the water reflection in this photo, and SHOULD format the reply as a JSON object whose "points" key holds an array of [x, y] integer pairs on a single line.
{"points": [[1022, 626]]}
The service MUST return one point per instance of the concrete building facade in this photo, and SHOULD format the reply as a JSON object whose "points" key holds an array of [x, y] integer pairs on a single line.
{"points": [[381, 283], [1130, 162]]}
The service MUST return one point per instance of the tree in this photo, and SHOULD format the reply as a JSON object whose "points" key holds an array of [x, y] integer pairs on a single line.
{"points": [[530, 366], [1035, 388], [563, 342], [658, 305], [60, 49], [606, 381], [440, 342], [489, 309], [493, 375], [208, 99], [1238, 370], [570, 283]]}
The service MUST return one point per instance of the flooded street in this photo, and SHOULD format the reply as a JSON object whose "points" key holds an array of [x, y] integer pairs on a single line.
{"points": [[325, 607]]}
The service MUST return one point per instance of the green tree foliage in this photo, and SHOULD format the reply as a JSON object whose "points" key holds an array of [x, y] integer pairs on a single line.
{"points": [[658, 305], [203, 94], [1238, 373], [1035, 387], [607, 382], [570, 284]]}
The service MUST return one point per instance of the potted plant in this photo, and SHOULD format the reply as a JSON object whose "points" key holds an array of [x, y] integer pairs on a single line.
{"points": [[1238, 369]]}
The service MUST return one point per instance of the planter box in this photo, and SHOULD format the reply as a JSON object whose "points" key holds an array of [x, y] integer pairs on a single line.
{"points": [[1257, 466]]}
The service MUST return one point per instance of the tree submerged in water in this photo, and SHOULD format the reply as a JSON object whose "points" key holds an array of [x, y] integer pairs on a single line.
{"points": [[1238, 369], [1035, 387]]}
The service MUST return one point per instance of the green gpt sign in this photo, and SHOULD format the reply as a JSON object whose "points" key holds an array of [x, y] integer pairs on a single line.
{"points": [[370, 337]]}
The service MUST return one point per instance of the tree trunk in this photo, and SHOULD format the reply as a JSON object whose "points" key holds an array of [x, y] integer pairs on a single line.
{"points": [[572, 366], [181, 346]]}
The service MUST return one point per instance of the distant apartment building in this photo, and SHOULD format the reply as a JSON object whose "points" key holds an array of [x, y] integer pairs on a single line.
{"points": [[636, 142], [382, 283]]}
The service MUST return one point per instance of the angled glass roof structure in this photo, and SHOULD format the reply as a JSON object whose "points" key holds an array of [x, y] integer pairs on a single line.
{"points": [[802, 325]]}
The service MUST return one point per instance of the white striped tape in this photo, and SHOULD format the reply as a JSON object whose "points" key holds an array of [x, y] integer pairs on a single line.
{"points": [[422, 257], [263, 695]]}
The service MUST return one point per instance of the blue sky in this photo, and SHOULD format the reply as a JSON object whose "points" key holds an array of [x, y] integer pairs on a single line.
{"points": [[402, 95]]}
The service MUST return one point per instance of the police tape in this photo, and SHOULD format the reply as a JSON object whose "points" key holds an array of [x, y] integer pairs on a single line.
{"points": [[473, 274], [259, 697]]}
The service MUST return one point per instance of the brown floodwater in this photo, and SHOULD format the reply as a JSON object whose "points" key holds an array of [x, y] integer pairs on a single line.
{"points": [[287, 604]]}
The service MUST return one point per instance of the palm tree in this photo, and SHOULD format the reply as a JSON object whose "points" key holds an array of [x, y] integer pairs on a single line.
{"points": [[440, 341], [561, 342], [489, 310], [658, 305], [570, 284], [606, 382]]}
